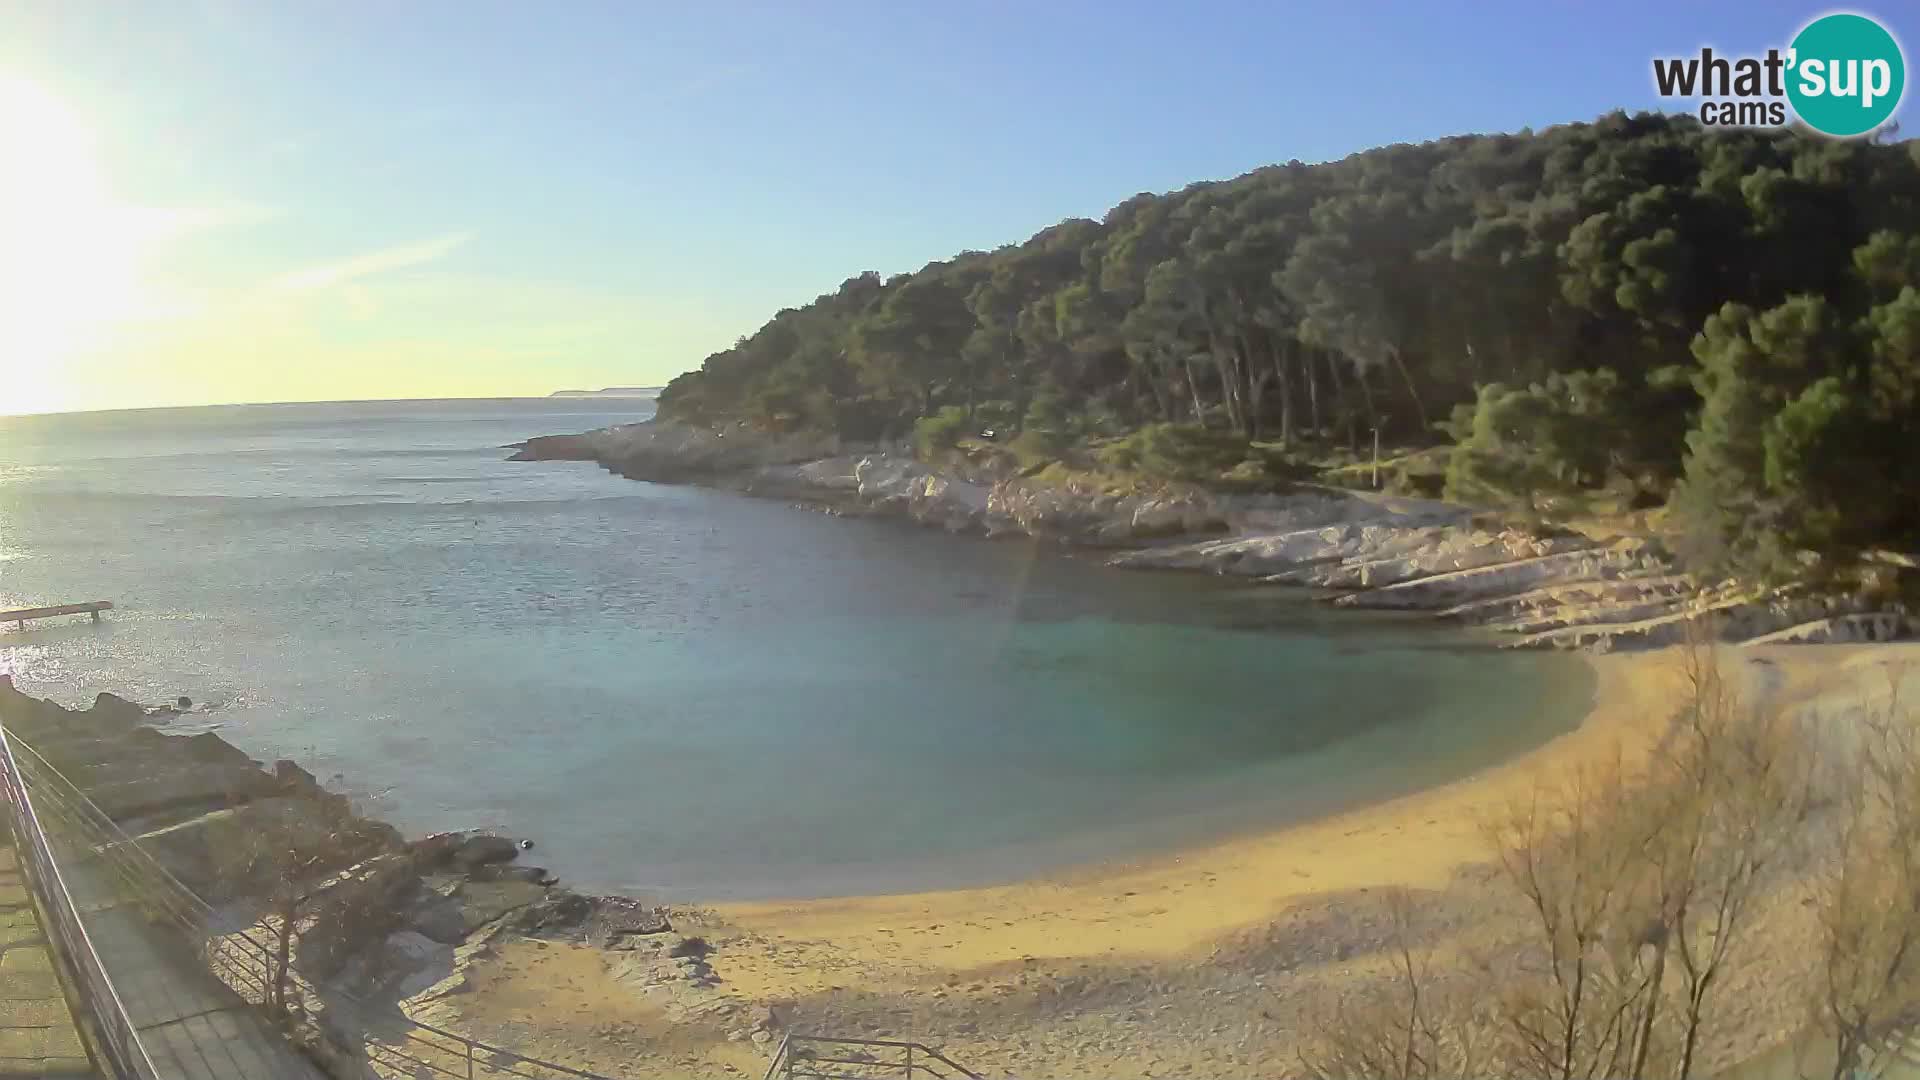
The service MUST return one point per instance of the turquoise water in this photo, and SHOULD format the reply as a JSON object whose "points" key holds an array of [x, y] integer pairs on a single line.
{"points": [[692, 694]]}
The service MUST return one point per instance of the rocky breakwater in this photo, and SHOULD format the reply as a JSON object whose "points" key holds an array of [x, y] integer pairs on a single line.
{"points": [[382, 926]]}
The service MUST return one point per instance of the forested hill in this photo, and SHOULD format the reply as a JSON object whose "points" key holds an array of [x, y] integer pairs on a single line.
{"points": [[1727, 320]]}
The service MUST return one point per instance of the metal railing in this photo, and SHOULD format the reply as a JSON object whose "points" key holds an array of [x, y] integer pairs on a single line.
{"points": [[821, 1057], [141, 879], [385, 1036], [100, 1013]]}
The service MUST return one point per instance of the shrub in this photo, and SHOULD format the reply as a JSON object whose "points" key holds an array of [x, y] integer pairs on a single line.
{"points": [[939, 432], [1183, 452], [1050, 413], [1548, 438], [997, 415], [1035, 448], [1573, 433]]}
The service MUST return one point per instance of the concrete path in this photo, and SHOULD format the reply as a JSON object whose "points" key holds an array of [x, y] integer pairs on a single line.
{"points": [[193, 1026], [37, 1036], [189, 1024]]}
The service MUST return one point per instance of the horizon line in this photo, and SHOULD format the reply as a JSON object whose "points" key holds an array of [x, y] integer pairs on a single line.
{"points": [[550, 396]]}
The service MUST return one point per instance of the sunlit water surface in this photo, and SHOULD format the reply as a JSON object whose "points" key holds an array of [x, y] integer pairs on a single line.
{"points": [[692, 694]]}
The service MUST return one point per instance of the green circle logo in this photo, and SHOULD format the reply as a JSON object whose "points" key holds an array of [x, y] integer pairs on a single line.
{"points": [[1846, 75]]}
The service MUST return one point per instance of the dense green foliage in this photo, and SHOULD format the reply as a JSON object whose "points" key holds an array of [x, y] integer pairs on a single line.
{"points": [[1639, 304], [941, 431], [1177, 452]]}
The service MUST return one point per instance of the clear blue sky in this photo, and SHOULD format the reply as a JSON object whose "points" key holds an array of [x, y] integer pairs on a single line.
{"points": [[363, 199]]}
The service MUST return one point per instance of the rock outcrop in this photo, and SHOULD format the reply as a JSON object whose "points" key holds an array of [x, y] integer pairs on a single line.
{"points": [[379, 919], [1484, 568], [680, 453], [1869, 626], [484, 850]]}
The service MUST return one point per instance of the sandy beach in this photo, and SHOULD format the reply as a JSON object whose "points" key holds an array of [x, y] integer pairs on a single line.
{"points": [[1199, 963]]}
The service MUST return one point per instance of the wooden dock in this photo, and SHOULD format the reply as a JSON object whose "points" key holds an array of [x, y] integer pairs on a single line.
{"points": [[19, 616]]}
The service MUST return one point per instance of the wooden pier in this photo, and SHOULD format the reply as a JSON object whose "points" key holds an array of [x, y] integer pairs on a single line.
{"points": [[19, 616]]}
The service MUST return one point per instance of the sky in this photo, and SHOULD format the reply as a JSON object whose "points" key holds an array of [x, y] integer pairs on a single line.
{"points": [[240, 200]]}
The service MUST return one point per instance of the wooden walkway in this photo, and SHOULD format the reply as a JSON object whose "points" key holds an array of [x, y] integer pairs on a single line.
{"points": [[19, 616]]}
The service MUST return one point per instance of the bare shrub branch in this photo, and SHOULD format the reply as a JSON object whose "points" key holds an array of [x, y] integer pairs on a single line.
{"points": [[1869, 904], [1415, 1027]]}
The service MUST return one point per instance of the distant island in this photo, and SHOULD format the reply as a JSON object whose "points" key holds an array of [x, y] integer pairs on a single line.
{"points": [[612, 391]]}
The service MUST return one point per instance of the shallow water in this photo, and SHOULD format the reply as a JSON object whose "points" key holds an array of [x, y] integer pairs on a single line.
{"points": [[692, 694]]}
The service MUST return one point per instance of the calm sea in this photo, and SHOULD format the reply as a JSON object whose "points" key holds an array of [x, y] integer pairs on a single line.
{"points": [[684, 693]]}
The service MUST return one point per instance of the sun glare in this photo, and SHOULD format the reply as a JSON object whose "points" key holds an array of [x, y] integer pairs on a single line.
{"points": [[69, 253]]}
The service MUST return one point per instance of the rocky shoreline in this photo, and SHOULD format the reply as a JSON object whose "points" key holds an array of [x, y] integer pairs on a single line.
{"points": [[455, 930], [1533, 589], [385, 924], [1212, 961], [428, 927]]}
